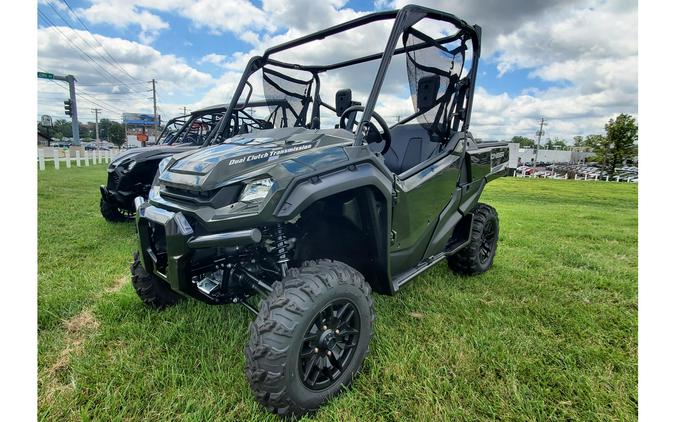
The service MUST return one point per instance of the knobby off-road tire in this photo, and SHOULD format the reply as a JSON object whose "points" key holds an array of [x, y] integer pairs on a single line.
{"points": [[112, 213], [152, 290], [478, 255], [293, 331]]}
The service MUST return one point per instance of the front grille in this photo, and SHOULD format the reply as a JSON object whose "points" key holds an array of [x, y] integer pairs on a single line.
{"points": [[187, 195], [215, 198]]}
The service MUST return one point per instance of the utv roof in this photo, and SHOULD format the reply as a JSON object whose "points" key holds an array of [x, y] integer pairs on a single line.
{"points": [[223, 107]]}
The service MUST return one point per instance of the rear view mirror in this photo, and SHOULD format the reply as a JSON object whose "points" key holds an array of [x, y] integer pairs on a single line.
{"points": [[343, 100]]}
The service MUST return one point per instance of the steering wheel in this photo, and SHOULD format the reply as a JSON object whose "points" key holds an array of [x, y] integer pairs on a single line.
{"points": [[372, 134]]}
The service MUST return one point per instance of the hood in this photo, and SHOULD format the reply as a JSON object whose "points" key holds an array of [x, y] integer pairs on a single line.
{"points": [[217, 165], [146, 153]]}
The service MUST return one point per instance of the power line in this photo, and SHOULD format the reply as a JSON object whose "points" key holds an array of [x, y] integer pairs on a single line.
{"points": [[92, 101], [82, 52], [86, 42], [113, 83], [99, 43]]}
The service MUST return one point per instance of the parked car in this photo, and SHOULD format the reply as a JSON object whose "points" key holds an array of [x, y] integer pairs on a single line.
{"points": [[525, 170]]}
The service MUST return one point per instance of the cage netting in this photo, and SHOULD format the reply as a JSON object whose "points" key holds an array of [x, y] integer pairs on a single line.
{"points": [[445, 63], [296, 92]]}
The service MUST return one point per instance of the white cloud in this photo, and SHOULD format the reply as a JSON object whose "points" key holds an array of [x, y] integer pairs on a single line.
{"points": [[123, 14], [588, 48], [218, 16], [213, 58], [124, 92], [236, 16]]}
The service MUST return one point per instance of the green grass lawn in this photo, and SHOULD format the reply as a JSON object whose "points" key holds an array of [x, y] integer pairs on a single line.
{"points": [[550, 332]]}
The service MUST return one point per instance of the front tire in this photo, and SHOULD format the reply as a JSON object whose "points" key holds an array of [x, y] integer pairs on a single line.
{"points": [[112, 213], [477, 257], [310, 337], [152, 290]]}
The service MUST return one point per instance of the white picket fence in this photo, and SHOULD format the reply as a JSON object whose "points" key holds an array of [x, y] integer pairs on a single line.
{"points": [[96, 157], [553, 175]]}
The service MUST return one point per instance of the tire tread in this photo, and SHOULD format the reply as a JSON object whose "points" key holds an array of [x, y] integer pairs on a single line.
{"points": [[265, 363], [466, 261]]}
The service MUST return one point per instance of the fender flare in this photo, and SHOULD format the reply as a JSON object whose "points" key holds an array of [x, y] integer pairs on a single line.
{"points": [[305, 192]]}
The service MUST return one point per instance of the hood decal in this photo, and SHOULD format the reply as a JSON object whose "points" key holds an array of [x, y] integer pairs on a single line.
{"points": [[270, 155]]}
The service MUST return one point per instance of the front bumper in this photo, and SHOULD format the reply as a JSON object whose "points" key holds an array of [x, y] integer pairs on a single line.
{"points": [[167, 243]]}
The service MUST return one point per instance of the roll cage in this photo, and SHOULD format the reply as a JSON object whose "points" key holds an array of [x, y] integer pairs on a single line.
{"points": [[452, 107], [169, 130], [206, 120]]}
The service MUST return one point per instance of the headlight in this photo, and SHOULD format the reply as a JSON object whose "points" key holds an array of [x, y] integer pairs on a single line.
{"points": [[154, 192], [131, 165], [164, 164], [256, 190]]}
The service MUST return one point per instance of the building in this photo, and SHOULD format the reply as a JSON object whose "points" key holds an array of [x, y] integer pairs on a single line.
{"points": [[520, 156]]}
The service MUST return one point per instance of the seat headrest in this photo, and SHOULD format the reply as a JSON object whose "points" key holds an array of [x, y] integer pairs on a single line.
{"points": [[427, 91], [343, 100]]}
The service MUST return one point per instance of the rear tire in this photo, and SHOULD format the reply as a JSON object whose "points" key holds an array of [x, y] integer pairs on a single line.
{"points": [[310, 337], [477, 257], [113, 213], [152, 290]]}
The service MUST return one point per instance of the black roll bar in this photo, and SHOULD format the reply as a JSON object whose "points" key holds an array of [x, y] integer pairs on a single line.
{"points": [[404, 18]]}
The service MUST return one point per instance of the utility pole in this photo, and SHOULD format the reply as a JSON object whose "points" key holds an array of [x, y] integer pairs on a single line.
{"points": [[184, 111], [98, 140], [539, 134], [154, 110]]}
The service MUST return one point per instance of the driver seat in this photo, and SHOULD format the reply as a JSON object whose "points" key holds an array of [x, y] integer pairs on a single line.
{"points": [[410, 145]]}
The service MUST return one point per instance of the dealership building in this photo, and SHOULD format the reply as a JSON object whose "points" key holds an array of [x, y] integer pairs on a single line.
{"points": [[139, 128]]}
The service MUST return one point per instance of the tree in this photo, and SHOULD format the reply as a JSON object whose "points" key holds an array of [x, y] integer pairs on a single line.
{"points": [[116, 134], [555, 143], [62, 127], [622, 134], [601, 148], [593, 141], [523, 141], [578, 141], [104, 129], [85, 132]]}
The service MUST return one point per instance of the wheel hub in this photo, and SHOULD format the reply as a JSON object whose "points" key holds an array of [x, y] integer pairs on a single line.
{"points": [[328, 339], [329, 344]]}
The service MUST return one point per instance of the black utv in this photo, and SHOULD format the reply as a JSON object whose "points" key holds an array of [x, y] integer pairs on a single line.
{"points": [[299, 224], [130, 174]]}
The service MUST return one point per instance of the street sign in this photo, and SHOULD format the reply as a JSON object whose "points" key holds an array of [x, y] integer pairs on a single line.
{"points": [[45, 75], [46, 120]]}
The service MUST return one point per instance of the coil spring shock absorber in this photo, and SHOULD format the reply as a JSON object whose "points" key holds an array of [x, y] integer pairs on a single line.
{"points": [[281, 248]]}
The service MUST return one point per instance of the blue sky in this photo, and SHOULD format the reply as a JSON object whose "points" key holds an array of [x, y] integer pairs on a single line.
{"points": [[550, 73]]}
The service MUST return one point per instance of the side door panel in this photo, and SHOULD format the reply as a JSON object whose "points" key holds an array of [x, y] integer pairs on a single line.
{"points": [[421, 198]]}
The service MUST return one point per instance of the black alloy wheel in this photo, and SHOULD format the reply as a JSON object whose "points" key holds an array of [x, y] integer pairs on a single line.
{"points": [[487, 243], [329, 344], [310, 337]]}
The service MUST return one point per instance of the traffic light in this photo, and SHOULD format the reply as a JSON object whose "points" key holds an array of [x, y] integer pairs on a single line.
{"points": [[67, 105]]}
